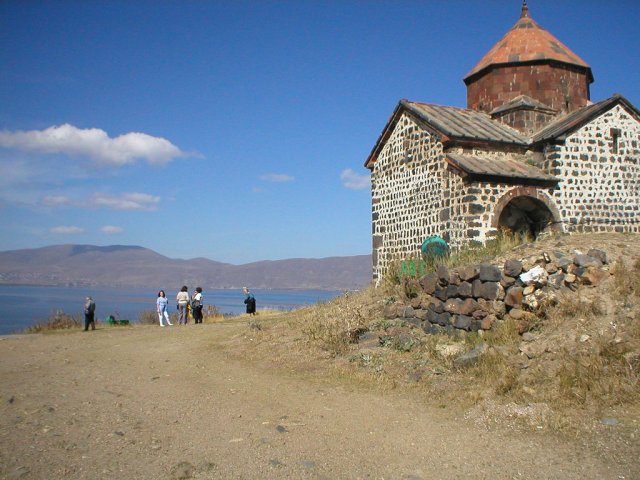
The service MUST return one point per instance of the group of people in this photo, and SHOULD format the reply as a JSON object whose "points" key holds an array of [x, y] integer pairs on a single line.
{"points": [[184, 303]]}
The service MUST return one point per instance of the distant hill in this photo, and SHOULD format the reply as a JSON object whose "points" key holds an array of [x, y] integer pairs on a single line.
{"points": [[132, 266]]}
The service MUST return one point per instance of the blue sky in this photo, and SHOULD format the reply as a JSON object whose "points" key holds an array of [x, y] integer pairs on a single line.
{"points": [[237, 130]]}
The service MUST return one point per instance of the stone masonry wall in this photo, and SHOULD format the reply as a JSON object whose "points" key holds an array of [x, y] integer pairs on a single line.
{"points": [[474, 205], [406, 190], [600, 189]]}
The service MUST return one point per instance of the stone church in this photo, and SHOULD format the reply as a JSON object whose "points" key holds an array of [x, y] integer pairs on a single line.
{"points": [[530, 152]]}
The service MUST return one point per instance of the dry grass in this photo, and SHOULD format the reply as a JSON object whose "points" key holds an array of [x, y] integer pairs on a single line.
{"points": [[587, 360], [57, 321]]}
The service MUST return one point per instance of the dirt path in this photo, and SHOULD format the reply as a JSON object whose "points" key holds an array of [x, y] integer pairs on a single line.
{"points": [[147, 402]]}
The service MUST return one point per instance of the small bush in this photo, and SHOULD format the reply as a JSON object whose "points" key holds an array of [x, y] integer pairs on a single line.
{"points": [[148, 317], [334, 325], [57, 321]]}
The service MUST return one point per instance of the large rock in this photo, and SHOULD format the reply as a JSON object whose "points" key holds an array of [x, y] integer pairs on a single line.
{"points": [[468, 273], [429, 283], [486, 290], [513, 297], [507, 281], [599, 254], [594, 276], [443, 274], [436, 305], [472, 357], [468, 306], [556, 280], [453, 305], [489, 273], [564, 263], [465, 289], [462, 322], [582, 260], [512, 268]]}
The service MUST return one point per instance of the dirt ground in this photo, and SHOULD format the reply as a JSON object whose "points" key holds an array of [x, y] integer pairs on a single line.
{"points": [[166, 403]]}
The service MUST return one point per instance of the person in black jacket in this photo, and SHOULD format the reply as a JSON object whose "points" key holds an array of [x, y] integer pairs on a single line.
{"points": [[249, 301], [89, 314]]}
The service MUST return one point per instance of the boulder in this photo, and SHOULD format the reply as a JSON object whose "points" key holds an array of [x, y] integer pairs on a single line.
{"points": [[468, 273], [507, 281], [512, 268], [594, 276], [465, 289], [436, 305], [582, 260], [391, 311], [489, 273], [599, 254], [564, 263], [487, 322], [451, 291], [556, 280], [486, 290], [453, 305], [408, 312], [513, 297], [443, 274], [429, 283], [472, 357], [462, 322], [468, 306]]}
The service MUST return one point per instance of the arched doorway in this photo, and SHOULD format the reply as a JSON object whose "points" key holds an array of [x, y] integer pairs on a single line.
{"points": [[524, 210]]}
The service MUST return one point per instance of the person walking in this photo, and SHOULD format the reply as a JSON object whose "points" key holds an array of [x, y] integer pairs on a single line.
{"points": [[162, 304], [250, 301], [196, 305], [89, 313], [183, 304]]}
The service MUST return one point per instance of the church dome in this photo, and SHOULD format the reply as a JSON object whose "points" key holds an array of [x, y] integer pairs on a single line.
{"points": [[529, 61]]}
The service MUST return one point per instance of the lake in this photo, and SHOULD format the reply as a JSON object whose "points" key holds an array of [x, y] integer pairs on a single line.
{"points": [[23, 306]]}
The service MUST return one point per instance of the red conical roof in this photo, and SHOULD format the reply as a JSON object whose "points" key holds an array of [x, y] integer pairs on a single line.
{"points": [[528, 42]]}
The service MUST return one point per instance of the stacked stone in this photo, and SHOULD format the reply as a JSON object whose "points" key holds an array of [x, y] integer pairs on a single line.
{"points": [[474, 297]]}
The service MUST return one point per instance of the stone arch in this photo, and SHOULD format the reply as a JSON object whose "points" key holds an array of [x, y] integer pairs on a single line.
{"points": [[526, 209]]}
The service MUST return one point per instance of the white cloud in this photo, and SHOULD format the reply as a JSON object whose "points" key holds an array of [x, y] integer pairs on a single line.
{"points": [[277, 177], [55, 200], [111, 230], [355, 181], [92, 143], [66, 230], [125, 201]]}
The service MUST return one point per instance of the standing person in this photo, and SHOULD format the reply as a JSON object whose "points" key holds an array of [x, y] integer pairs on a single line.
{"points": [[89, 313], [250, 301], [162, 307], [196, 305], [183, 304]]}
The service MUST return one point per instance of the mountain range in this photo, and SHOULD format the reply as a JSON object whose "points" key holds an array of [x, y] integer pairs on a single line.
{"points": [[118, 266]]}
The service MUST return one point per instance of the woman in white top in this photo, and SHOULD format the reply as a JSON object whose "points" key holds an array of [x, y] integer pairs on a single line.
{"points": [[183, 302]]}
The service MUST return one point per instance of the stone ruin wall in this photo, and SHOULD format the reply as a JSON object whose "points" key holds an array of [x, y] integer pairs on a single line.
{"points": [[406, 190], [600, 189]]}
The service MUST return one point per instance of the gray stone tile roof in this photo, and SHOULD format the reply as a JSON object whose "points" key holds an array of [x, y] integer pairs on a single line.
{"points": [[463, 124], [513, 169]]}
